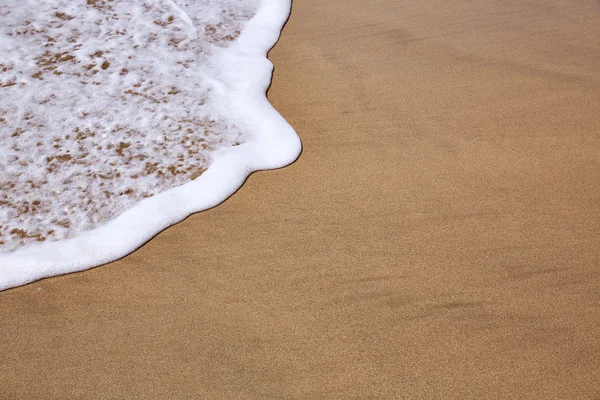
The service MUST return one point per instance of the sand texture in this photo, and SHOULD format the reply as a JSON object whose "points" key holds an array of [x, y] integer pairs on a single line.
{"points": [[437, 239]]}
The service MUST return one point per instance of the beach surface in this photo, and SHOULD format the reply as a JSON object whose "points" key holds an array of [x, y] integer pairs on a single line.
{"points": [[438, 238]]}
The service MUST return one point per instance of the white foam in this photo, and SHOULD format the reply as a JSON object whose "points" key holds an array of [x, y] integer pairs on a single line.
{"points": [[238, 76]]}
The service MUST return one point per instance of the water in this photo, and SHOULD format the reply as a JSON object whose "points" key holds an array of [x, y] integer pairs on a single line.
{"points": [[119, 118]]}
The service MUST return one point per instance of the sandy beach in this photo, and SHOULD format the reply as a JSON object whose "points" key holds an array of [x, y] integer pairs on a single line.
{"points": [[438, 238]]}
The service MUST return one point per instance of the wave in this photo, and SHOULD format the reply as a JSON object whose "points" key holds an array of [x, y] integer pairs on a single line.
{"points": [[182, 141]]}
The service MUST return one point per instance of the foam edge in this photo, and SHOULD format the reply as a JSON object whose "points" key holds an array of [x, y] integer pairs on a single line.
{"points": [[274, 145]]}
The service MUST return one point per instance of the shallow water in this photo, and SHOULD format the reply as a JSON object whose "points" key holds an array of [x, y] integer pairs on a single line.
{"points": [[104, 103], [120, 118]]}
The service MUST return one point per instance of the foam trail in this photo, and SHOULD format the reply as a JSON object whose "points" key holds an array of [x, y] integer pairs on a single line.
{"points": [[245, 72]]}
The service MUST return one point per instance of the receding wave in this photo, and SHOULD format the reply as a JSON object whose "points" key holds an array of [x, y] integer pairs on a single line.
{"points": [[107, 107]]}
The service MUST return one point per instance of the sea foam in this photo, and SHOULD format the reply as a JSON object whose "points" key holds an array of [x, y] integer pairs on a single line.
{"points": [[120, 118]]}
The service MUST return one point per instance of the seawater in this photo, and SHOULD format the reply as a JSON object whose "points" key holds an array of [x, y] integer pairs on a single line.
{"points": [[119, 118]]}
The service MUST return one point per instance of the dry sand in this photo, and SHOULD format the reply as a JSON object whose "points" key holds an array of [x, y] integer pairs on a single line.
{"points": [[438, 238]]}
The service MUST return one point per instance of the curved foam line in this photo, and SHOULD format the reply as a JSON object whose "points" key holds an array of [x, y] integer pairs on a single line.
{"points": [[246, 73]]}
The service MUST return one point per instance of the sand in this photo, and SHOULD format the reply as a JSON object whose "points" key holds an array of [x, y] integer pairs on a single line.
{"points": [[438, 238]]}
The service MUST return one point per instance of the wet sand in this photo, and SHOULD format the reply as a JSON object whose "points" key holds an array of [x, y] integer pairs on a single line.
{"points": [[438, 238]]}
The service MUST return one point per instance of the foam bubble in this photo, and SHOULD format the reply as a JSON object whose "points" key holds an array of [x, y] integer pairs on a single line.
{"points": [[123, 117]]}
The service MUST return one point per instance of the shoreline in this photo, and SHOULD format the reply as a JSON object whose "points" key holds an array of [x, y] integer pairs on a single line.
{"points": [[273, 144], [438, 237]]}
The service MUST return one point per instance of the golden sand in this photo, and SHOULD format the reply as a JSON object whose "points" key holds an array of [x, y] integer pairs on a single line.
{"points": [[437, 239]]}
